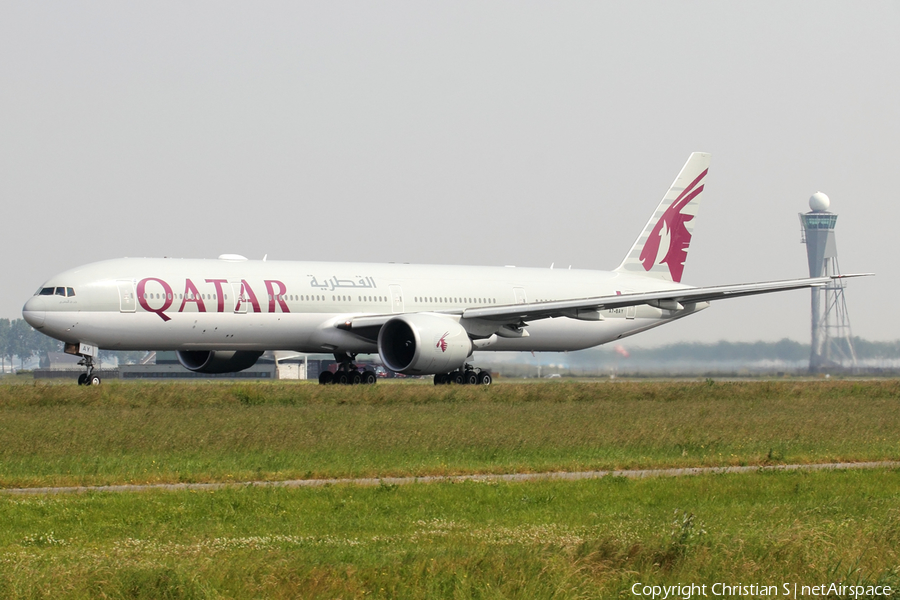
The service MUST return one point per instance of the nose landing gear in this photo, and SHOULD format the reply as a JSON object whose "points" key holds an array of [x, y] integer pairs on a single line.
{"points": [[88, 378], [87, 352]]}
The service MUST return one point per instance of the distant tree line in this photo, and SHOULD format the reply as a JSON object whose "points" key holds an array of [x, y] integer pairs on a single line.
{"points": [[785, 349], [19, 340]]}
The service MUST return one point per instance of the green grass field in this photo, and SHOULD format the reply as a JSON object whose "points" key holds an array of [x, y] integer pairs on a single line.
{"points": [[586, 539], [548, 539], [148, 433]]}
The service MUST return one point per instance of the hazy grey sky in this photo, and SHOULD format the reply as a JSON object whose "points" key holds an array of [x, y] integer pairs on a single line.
{"points": [[467, 132]]}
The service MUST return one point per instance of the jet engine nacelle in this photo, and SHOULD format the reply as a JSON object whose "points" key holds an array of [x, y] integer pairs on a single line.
{"points": [[217, 361], [423, 344]]}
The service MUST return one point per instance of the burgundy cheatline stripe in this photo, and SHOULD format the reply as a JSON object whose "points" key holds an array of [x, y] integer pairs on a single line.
{"points": [[371, 481]]}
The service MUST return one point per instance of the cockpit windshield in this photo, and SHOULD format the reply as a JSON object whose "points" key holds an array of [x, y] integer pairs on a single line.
{"points": [[65, 292]]}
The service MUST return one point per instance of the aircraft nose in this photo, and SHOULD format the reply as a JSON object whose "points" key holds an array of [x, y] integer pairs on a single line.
{"points": [[33, 313]]}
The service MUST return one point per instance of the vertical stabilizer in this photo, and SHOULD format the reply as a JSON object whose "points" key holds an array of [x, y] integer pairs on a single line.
{"points": [[661, 249]]}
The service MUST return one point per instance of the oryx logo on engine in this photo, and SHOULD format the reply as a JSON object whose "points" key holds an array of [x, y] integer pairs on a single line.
{"points": [[442, 343]]}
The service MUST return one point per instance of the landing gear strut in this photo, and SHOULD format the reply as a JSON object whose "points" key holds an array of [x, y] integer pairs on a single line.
{"points": [[347, 372], [467, 375], [88, 378]]}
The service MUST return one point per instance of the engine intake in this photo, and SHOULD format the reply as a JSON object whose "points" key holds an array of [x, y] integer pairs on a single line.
{"points": [[423, 344], [217, 361]]}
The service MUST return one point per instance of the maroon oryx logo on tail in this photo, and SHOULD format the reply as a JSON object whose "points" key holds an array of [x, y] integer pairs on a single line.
{"points": [[442, 343], [679, 237]]}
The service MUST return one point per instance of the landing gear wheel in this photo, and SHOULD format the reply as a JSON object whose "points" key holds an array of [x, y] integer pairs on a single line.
{"points": [[455, 377], [484, 378], [470, 378], [340, 378], [88, 378], [325, 377], [440, 379], [355, 378], [369, 378]]}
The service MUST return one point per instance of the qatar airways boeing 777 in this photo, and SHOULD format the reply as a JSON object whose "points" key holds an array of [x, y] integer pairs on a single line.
{"points": [[221, 315]]}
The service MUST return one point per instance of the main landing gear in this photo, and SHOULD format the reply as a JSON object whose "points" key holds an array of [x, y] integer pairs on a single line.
{"points": [[467, 375], [88, 378], [347, 372]]}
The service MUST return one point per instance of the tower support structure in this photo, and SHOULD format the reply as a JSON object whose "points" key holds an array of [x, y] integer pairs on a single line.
{"points": [[832, 339]]}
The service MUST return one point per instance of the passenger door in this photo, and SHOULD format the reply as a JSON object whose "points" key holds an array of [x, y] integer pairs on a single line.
{"points": [[396, 299], [127, 301]]}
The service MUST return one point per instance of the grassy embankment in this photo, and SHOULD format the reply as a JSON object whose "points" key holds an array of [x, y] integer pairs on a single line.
{"points": [[584, 539], [147, 433]]}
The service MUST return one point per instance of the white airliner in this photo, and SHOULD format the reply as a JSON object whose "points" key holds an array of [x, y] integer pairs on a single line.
{"points": [[221, 315]]}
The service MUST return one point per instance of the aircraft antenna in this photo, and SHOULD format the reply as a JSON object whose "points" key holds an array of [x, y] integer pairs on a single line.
{"points": [[832, 340]]}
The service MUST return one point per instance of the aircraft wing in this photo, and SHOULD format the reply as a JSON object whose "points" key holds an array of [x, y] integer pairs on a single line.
{"points": [[675, 299], [670, 299]]}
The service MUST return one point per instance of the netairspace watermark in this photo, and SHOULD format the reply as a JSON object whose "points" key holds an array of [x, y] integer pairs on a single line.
{"points": [[757, 590]]}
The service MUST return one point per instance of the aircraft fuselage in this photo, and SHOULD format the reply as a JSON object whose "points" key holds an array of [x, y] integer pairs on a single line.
{"points": [[226, 304]]}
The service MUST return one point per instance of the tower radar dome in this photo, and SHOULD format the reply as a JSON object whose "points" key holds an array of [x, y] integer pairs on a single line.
{"points": [[819, 202]]}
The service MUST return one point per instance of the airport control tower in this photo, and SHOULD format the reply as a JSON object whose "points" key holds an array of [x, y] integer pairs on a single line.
{"points": [[832, 342]]}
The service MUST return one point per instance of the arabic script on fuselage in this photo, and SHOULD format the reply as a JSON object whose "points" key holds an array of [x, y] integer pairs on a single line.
{"points": [[356, 282]]}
